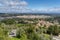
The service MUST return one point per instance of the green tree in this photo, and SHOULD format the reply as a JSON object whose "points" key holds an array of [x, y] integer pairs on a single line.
{"points": [[8, 21], [53, 30]]}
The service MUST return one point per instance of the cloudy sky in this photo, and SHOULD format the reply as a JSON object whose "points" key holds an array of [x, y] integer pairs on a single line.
{"points": [[30, 6]]}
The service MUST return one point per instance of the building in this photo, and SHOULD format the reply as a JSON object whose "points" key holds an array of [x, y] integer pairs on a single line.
{"points": [[12, 33]]}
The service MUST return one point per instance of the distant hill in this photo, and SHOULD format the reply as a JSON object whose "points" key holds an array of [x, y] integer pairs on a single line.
{"points": [[17, 14]]}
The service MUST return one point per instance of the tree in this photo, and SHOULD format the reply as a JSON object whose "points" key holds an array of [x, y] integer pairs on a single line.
{"points": [[8, 21], [53, 30]]}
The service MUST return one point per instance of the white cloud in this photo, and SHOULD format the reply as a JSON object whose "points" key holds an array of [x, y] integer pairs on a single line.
{"points": [[22, 6], [13, 5], [50, 10]]}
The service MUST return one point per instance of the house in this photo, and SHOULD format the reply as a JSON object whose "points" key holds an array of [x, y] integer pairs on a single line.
{"points": [[12, 33]]}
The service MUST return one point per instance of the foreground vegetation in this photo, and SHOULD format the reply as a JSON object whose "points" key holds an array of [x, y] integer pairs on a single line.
{"points": [[27, 30]]}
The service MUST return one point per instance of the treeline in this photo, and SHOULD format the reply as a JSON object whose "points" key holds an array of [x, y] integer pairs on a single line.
{"points": [[17, 14]]}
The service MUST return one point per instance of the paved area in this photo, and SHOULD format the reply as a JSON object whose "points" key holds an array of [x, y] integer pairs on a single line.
{"points": [[56, 38]]}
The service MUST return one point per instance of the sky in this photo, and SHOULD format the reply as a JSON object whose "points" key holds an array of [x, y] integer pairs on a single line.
{"points": [[29, 6]]}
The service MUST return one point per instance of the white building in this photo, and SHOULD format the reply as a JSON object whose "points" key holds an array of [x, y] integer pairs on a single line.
{"points": [[12, 33]]}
